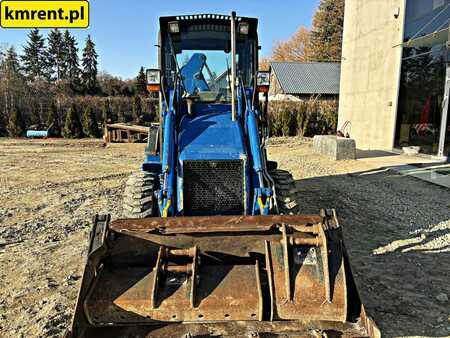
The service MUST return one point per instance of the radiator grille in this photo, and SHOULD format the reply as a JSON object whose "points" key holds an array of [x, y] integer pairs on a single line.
{"points": [[213, 187]]}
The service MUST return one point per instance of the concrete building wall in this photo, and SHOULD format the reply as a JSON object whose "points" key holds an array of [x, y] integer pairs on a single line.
{"points": [[370, 70]]}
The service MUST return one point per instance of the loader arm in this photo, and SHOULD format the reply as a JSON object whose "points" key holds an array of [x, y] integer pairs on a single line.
{"points": [[166, 194], [263, 191]]}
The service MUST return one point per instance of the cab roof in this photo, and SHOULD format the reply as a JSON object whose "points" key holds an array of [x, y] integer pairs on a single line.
{"points": [[207, 22]]}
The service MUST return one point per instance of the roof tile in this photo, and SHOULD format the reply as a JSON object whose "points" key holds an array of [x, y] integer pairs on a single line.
{"points": [[308, 78]]}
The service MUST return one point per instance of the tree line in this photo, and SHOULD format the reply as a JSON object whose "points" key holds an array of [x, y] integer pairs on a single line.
{"points": [[54, 85], [305, 118], [321, 43], [51, 85]]}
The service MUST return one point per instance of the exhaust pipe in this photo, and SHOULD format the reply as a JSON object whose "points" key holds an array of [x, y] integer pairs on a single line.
{"points": [[233, 66]]}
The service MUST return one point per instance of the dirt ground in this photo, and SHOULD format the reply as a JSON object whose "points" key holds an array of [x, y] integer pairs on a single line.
{"points": [[397, 230]]}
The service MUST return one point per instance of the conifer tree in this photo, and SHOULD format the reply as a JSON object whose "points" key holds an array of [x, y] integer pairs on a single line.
{"points": [[89, 61], [3, 124], [90, 125], [53, 120], [56, 55], [3, 121], [11, 80], [12, 62], [16, 124], [72, 127], [136, 108], [326, 35], [121, 118], [34, 117], [107, 113], [141, 82], [71, 62], [34, 58]]}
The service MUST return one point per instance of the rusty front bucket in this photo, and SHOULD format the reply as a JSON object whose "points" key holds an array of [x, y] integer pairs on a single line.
{"points": [[221, 276]]}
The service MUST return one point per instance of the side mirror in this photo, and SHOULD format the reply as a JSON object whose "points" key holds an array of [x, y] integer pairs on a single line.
{"points": [[263, 81], [153, 80]]}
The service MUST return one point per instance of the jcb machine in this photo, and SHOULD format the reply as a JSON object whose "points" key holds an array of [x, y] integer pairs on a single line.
{"points": [[213, 245]]}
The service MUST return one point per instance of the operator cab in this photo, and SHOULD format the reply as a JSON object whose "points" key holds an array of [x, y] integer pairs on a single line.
{"points": [[199, 48]]}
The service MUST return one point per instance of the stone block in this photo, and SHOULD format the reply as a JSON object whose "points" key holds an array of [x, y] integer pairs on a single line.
{"points": [[336, 148]]}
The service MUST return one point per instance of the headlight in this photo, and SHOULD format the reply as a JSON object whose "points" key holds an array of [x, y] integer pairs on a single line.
{"points": [[153, 80], [153, 76], [174, 27], [243, 28], [263, 78]]}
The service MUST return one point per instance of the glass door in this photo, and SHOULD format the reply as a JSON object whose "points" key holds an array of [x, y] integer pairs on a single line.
{"points": [[421, 96], [422, 115], [444, 139]]}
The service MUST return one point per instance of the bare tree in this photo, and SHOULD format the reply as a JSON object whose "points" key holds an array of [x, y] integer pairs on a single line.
{"points": [[293, 49], [264, 64]]}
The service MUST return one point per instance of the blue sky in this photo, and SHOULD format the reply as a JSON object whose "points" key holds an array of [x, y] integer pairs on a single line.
{"points": [[125, 31]]}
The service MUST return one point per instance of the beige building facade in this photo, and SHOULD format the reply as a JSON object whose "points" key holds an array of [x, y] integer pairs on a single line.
{"points": [[370, 71], [395, 75]]}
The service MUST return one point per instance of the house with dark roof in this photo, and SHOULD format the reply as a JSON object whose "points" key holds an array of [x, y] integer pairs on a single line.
{"points": [[305, 80], [222, 80]]}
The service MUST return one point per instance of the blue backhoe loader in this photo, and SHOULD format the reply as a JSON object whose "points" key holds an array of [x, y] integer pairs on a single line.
{"points": [[211, 243]]}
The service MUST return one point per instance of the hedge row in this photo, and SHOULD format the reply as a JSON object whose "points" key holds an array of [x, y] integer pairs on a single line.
{"points": [[121, 108], [303, 118]]}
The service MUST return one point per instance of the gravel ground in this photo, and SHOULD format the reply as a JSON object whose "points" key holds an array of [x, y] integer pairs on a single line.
{"points": [[397, 230]]}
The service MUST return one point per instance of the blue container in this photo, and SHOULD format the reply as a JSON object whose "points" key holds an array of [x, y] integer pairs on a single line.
{"points": [[37, 133]]}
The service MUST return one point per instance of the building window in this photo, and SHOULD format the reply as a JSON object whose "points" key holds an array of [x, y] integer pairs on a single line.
{"points": [[422, 84], [421, 95], [426, 16], [438, 3]]}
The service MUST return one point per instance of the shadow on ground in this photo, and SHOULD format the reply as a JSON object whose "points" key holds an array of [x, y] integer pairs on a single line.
{"points": [[397, 232], [361, 154]]}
